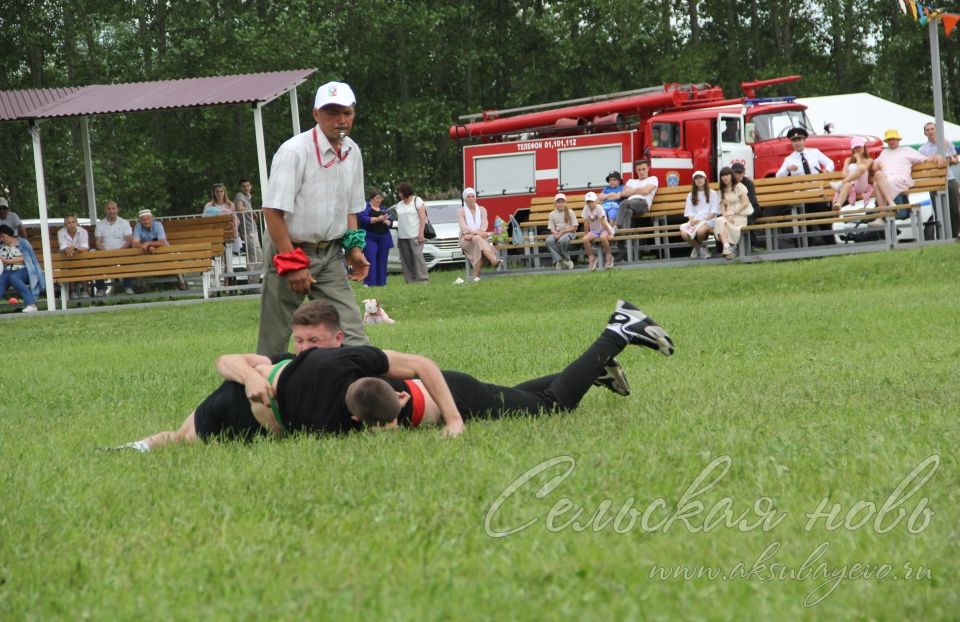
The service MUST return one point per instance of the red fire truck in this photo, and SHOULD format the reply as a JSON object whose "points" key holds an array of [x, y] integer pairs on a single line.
{"points": [[512, 156]]}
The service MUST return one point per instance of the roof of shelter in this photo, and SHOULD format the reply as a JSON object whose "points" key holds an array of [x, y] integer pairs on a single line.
{"points": [[162, 94], [14, 104]]}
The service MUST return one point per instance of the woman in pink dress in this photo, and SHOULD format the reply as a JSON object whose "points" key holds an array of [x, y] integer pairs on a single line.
{"points": [[856, 183]]}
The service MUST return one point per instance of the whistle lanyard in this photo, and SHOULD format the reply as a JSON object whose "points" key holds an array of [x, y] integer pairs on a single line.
{"points": [[336, 157]]}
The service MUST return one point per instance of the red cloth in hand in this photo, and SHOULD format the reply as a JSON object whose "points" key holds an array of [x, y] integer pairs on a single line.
{"points": [[291, 262]]}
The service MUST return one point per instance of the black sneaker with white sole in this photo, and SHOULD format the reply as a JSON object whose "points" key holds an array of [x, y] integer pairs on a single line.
{"points": [[613, 378], [638, 329]]}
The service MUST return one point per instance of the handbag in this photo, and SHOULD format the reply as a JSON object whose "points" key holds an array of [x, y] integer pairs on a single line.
{"points": [[429, 232]]}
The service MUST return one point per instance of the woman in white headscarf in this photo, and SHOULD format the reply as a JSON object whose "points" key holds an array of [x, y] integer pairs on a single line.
{"points": [[473, 234]]}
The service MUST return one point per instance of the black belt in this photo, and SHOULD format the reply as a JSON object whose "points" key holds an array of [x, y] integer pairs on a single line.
{"points": [[317, 246]]}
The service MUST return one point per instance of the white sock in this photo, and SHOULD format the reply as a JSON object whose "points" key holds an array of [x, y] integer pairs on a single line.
{"points": [[618, 330], [140, 446]]}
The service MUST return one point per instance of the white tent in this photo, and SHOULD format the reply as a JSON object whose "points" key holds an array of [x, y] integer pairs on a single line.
{"points": [[863, 113]]}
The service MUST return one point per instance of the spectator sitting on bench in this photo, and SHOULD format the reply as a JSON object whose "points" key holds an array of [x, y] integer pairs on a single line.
{"points": [[20, 268], [804, 160], [701, 210], [473, 234], [11, 219], [609, 197], [148, 236], [113, 233], [734, 209], [597, 228], [892, 167], [740, 176], [930, 148], [637, 195], [563, 227], [73, 240], [857, 165], [808, 161]]}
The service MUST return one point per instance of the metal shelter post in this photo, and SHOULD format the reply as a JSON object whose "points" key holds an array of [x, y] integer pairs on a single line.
{"points": [[261, 148], [44, 227], [88, 171], [942, 213], [294, 111]]}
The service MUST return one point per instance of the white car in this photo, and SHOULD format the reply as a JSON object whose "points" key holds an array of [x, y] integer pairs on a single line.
{"points": [[445, 248], [905, 232]]}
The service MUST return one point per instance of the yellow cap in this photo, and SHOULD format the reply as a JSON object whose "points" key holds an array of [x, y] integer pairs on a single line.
{"points": [[891, 135]]}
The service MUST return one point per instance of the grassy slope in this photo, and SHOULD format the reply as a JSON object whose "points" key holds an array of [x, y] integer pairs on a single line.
{"points": [[827, 378]]}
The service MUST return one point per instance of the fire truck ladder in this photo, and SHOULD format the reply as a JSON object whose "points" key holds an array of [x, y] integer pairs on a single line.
{"points": [[487, 114]]}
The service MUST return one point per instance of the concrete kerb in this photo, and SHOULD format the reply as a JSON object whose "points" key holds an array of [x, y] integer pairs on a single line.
{"points": [[831, 250], [131, 306], [783, 255]]}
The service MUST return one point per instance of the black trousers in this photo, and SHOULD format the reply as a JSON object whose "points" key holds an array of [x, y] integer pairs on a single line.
{"points": [[548, 394]]}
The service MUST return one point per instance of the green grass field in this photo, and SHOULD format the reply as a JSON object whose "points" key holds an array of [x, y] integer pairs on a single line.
{"points": [[829, 378]]}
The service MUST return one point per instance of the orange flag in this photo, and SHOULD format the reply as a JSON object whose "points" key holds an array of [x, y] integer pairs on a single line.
{"points": [[949, 22]]}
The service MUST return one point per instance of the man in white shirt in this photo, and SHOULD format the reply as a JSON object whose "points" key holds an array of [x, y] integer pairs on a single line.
{"points": [[949, 152], [112, 233], [637, 195], [310, 208], [807, 161], [804, 160]]}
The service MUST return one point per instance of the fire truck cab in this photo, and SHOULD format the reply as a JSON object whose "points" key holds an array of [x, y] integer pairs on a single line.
{"points": [[512, 158], [752, 134]]}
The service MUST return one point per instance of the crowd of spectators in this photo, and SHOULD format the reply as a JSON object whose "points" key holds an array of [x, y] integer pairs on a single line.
{"points": [[113, 233], [721, 213]]}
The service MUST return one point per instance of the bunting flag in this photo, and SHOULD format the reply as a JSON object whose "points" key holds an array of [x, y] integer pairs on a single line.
{"points": [[949, 22], [923, 12]]}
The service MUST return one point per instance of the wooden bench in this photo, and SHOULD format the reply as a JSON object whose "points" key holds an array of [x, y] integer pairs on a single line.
{"points": [[804, 190], [797, 192], [659, 235], [178, 228], [218, 229], [224, 277], [176, 259], [668, 201]]}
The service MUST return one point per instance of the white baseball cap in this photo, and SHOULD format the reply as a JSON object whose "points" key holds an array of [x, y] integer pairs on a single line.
{"points": [[334, 93], [559, 196], [3, 202], [699, 174], [590, 196]]}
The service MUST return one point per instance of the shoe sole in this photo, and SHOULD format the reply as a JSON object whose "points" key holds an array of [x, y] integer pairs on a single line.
{"points": [[614, 380], [653, 336]]}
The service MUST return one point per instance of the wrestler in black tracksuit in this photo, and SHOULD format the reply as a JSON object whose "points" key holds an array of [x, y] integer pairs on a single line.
{"points": [[313, 385]]}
